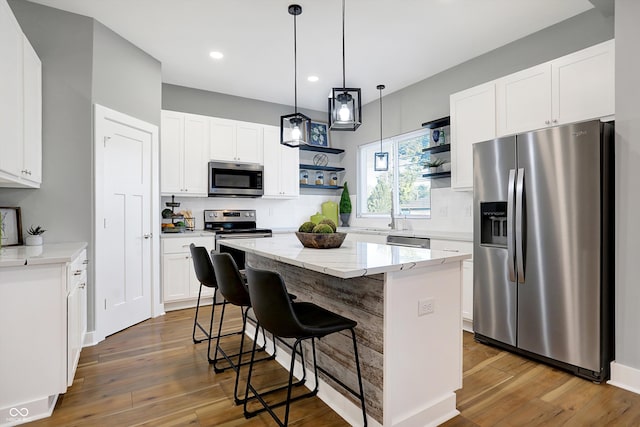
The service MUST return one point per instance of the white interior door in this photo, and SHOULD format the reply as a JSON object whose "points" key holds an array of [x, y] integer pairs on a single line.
{"points": [[124, 249]]}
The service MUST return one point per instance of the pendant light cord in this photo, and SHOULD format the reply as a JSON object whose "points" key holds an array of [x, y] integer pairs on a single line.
{"points": [[295, 66], [381, 120], [344, 84], [380, 87]]}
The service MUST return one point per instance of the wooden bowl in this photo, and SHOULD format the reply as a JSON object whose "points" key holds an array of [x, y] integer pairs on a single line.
{"points": [[321, 240]]}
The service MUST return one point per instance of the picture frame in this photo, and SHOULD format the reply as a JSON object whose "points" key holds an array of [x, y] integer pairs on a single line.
{"points": [[11, 223], [319, 134]]}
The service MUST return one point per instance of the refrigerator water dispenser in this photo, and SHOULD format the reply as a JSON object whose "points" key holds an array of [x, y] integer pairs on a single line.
{"points": [[493, 224]]}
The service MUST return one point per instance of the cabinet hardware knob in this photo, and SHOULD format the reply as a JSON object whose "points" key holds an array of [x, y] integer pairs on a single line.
{"points": [[555, 120], [77, 273], [546, 122], [85, 262], [148, 236], [82, 285]]}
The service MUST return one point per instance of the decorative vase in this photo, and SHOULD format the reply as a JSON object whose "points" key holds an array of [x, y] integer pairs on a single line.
{"points": [[344, 218], [33, 240]]}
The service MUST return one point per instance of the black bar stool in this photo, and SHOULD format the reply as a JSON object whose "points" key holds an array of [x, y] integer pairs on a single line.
{"points": [[276, 313], [233, 288], [206, 276]]}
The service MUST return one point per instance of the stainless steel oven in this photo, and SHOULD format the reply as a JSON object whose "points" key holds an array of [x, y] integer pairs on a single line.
{"points": [[235, 179], [233, 224]]}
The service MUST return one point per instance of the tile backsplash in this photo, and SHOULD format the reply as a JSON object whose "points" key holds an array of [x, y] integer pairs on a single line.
{"points": [[450, 211]]}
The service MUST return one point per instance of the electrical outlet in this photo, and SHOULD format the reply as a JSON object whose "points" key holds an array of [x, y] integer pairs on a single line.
{"points": [[426, 306]]}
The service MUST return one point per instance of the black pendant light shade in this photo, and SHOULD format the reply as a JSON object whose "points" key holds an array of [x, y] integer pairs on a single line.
{"points": [[381, 159], [295, 128], [345, 105]]}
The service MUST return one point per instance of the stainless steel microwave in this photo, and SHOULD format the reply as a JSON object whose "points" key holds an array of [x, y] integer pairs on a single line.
{"points": [[235, 179]]}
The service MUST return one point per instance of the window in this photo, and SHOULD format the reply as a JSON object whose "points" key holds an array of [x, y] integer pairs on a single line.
{"points": [[411, 192]]}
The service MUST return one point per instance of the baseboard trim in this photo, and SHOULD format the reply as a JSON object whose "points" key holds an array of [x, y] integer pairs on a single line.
{"points": [[625, 377]]}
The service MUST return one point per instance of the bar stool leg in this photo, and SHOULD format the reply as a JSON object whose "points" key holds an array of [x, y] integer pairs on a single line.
{"points": [[355, 352], [195, 320]]}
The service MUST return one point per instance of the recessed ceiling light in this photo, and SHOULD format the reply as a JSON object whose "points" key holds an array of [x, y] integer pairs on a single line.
{"points": [[216, 55], [313, 78]]}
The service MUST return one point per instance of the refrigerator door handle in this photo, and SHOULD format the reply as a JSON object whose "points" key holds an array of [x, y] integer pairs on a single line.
{"points": [[510, 205], [519, 225]]}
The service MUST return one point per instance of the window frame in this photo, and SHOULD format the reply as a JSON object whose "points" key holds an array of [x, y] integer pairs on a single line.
{"points": [[394, 164]]}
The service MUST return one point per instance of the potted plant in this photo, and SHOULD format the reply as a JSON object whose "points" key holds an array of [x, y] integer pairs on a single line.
{"points": [[433, 164], [345, 206], [34, 237]]}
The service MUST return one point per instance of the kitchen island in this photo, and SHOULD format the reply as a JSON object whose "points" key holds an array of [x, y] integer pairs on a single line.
{"points": [[407, 305]]}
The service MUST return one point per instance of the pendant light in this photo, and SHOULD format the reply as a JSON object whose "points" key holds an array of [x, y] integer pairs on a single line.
{"points": [[295, 128], [345, 106], [381, 159]]}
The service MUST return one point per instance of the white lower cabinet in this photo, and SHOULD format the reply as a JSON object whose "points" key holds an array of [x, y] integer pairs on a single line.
{"points": [[380, 239], [42, 325], [467, 276], [76, 312], [179, 281]]}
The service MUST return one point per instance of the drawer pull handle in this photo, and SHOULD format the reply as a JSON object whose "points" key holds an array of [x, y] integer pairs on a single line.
{"points": [[451, 250]]}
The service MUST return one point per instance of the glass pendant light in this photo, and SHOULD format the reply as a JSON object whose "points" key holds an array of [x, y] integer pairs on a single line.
{"points": [[295, 128], [345, 106], [381, 159]]}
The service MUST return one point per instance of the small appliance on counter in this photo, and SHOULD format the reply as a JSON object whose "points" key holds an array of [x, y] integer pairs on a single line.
{"points": [[173, 222], [330, 210]]}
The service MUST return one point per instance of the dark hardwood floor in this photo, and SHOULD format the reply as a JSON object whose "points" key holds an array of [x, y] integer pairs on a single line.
{"points": [[152, 374]]}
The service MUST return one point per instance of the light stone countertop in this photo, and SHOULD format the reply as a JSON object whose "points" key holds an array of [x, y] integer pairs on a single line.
{"points": [[187, 234], [352, 259], [49, 253], [432, 234]]}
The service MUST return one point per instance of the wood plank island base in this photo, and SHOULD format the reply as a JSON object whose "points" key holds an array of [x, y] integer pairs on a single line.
{"points": [[411, 363]]}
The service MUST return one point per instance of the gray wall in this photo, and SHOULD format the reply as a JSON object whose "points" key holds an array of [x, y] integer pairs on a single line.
{"points": [[125, 78], [196, 101], [83, 62], [627, 16]]}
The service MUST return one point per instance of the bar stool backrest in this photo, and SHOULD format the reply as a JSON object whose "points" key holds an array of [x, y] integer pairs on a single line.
{"points": [[203, 266], [230, 282], [272, 305]]}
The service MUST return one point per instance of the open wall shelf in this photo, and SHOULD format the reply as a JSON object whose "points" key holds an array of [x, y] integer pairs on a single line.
{"points": [[437, 149], [437, 175], [320, 149], [321, 187], [321, 168]]}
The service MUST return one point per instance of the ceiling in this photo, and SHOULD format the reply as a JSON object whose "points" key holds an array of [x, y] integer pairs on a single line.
{"points": [[391, 42]]}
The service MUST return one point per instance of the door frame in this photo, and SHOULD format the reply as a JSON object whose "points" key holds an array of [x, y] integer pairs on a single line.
{"points": [[102, 114]]}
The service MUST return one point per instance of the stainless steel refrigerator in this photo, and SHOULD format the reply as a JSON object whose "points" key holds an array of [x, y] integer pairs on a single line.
{"points": [[543, 245]]}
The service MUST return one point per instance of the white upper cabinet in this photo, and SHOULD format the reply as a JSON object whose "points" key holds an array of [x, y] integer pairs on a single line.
{"points": [[20, 106], [184, 153], [473, 119], [235, 141], [524, 100], [32, 133], [583, 84], [10, 92], [576, 87], [281, 167]]}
